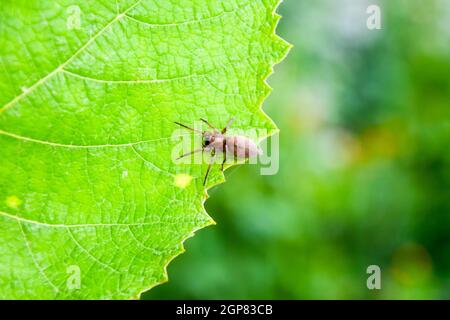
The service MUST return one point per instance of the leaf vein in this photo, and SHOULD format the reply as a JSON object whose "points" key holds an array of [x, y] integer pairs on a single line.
{"points": [[61, 67], [89, 254], [143, 81], [30, 251], [85, 225], [75, 146]]}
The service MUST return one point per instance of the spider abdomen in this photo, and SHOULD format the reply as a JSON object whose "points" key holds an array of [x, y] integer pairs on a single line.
{"points": [[242, 147]]}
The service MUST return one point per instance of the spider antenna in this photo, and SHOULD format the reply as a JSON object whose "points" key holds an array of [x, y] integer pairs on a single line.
{"points": [[208, 124]]}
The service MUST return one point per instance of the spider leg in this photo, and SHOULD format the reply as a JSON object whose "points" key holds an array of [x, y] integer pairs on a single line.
{"points": [[230, 122], [190, 153], [213, 158], [224, 151]]}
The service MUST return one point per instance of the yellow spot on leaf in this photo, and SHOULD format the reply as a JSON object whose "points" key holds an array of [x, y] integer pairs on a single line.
{"points": [[13, 202], [182, 180]]}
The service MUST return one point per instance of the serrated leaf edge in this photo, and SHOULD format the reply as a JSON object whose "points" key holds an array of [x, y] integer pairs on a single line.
{"points": [[210, 222]]}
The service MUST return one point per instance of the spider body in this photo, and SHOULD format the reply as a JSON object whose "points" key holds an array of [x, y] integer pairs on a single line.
{"points": [[215, 141]]}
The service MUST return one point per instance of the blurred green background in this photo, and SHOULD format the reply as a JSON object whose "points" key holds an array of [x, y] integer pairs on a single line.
{"points": [[364, 166]]}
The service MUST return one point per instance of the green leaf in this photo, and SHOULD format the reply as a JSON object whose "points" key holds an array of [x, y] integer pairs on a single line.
{"points": [[89, 91]]}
